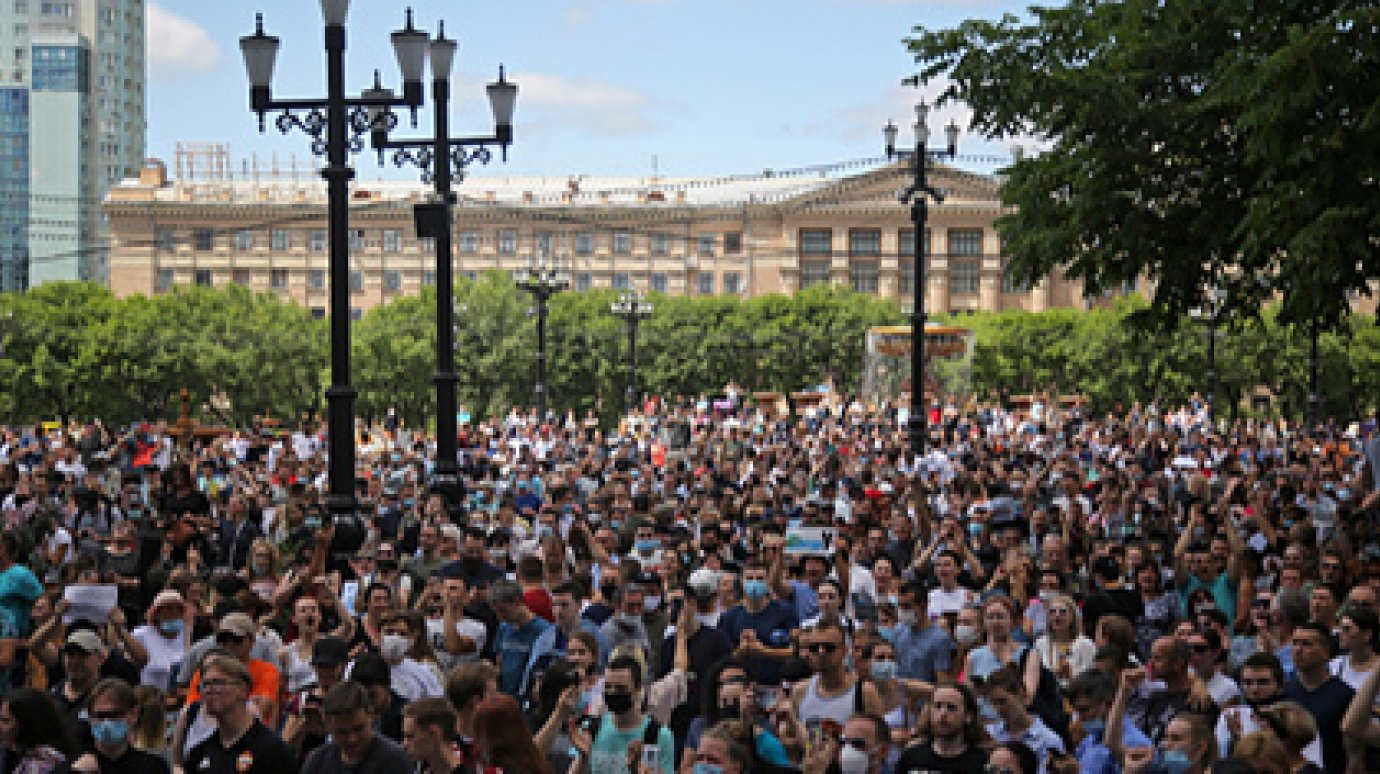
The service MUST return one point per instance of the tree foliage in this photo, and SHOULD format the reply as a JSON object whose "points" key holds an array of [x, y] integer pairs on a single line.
{"points": [[1202, 142]]}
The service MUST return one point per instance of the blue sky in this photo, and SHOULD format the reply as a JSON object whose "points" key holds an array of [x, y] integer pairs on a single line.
{"points": [[605, 86]]}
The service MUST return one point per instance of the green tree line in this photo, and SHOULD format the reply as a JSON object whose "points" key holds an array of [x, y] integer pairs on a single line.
{"points": [[70, 348]]}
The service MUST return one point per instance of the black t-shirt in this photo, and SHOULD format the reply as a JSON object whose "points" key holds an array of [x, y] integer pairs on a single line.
{"points": [[922, 757], [384, 757], [1123, 602], [132, 762], [259, 751]]}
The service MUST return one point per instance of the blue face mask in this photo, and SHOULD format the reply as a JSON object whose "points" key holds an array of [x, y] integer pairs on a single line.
{"points": [[544, 530], [171, 627], [1094, 728], [755, 589], [110, 732], [884, 670], [975, 529], [886, 632], [708, 768], [1174, 761], [648, 545]]}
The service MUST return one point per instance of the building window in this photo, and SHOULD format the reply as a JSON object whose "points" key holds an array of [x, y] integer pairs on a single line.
{"points": [[906, 243], [244, 240], [907, 275], [659, 282], [584, 243], [166, 239], [280, 240], [356, 313], [278, 279], [816, 242], [622, 242], [964, 277], [704, 283], [583, 281], [1010, 284], [164, 283], [733, 243], [356, 240], [392, 281], [965, 241], [862, 276], [733, 283], [705, 245], [392, 240], [428, 277], [507, 242], [621, 281], [202, 277], [240, 277], [813, 273], [316, 240], [318, 313], [469, 242], [864, 242], [316, 279], [356, 281], [204, 239], [660, 244], [546, 243]]}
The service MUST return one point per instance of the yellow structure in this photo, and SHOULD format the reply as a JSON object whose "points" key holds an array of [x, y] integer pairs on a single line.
{"points": [[746, 236]]}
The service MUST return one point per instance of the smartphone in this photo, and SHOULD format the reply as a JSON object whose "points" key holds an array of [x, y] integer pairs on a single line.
{"points": [[651, 756]]}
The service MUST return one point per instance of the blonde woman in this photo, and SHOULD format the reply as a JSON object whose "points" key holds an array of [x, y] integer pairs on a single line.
{"points": [[1063, 648], [262, 570]]}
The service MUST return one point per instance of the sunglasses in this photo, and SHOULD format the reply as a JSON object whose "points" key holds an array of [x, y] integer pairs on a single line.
{"points": [[856, 742], [225, 638], [1201, 648], [822, 647]]}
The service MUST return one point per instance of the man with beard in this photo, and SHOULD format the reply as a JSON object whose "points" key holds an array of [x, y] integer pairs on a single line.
{"points": [[955, 733], [1262, 684]]}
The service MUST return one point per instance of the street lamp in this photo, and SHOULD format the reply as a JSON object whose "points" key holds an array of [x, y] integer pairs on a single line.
{"points": [[633, 308], [918, 195], [543, 281], [1216, 296], [335, 125], [443, 159]]}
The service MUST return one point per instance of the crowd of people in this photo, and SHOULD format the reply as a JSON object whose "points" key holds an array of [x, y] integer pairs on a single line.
{"points": [[711, 587]]}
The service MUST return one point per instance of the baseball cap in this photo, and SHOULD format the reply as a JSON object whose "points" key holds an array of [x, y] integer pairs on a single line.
{"points": [[86, 640], [238, 624]]}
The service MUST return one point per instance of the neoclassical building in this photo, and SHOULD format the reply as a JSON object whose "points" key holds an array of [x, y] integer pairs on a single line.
{"points": [[744, 235]]}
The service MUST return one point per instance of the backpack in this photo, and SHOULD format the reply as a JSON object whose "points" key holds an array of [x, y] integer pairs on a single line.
{"points": [[1048, 702]]}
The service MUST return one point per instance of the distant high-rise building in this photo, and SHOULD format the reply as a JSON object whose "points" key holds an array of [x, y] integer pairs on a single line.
{"points": [[71, 125]]}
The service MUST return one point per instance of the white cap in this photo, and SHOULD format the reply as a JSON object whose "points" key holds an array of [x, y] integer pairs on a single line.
{"points": [[704, 578]]}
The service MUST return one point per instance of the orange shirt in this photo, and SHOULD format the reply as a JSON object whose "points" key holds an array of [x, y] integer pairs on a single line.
{"points": [[263, 674]]}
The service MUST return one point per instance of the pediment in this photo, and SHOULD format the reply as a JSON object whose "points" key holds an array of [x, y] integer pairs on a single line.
{"points": [[877, 189]]}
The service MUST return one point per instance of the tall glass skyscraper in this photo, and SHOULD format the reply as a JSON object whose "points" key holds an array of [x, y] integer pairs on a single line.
{"points": [[71, 125]]}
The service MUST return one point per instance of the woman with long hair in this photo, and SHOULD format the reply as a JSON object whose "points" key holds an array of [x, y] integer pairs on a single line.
{"points": [[1258, 635], [263, 569], [34, 734], [999, 618], [502, 739], [1357, 633], [150, 732], [296, 655], [1063, 648], [1160, 611]]}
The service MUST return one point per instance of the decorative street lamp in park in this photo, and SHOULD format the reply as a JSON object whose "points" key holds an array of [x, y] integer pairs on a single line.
{"points": [[918, 195], [543, 281], [633, 308]]}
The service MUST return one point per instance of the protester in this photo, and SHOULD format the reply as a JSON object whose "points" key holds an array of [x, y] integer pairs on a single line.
{"points": [[354, 746], [36, 739]]}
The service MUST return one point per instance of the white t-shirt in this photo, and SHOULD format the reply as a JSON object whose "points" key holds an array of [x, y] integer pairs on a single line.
{"points": [[465, 627], [163, 653], [1312, 753], [412, 680]]}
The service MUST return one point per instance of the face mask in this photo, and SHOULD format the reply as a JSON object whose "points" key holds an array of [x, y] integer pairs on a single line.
{"points": [[887, 633], [544, 531], [647, 546], [618, 703], [975, 529], [261, 568], [627, 619], [708, 768], [1047, 596], [394, 647], [1094, 728], [110, 732], [731, 709], [171, 628], [906, 617], [853, 761], [884, 670], [1174, 761], [755, 589], [966, 634], [650, 604]]}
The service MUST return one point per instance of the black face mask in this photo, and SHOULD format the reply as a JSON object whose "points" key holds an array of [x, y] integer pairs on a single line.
{"points": [[618, 703], [1267, 701], [731, 709]]}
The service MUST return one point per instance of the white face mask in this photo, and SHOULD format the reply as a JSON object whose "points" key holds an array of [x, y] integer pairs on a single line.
{"points": [[966, 634], [394, 647], [853, 761], [905, 617]]}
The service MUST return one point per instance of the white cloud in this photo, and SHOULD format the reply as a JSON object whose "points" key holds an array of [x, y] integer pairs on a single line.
{"points": [[588, 104], [177, 46], [576, 16]]}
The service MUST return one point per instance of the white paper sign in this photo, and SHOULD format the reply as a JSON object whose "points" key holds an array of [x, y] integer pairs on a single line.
{"points": [[91, 603], [810, 541]]}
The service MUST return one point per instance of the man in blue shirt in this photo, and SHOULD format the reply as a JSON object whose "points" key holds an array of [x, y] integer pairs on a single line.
{"points": [[760, 628], [1091, 694], [516, 635], [924, 651]]}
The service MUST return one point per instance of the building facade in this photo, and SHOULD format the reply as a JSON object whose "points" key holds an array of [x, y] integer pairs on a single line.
{"points": [[744, 236], [71, 125]]}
